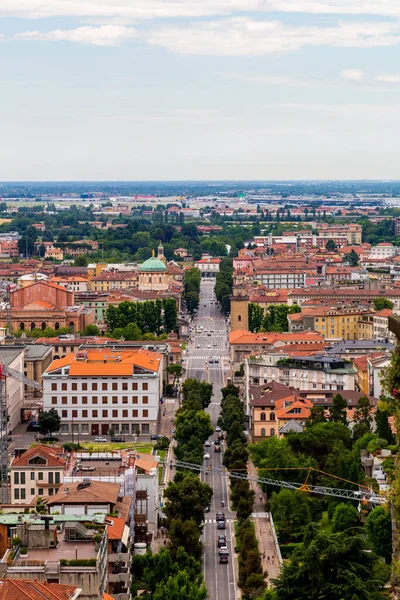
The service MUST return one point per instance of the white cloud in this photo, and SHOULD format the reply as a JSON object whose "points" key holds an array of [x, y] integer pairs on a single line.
{"points": [[352, 75], [105, 35], [241, 36], [278, 80], [388, 78], [139, 9]]}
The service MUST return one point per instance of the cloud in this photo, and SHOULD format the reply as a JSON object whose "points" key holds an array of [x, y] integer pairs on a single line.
{"points": [[352, 75], [105, 35], [145, 9], [276, 131], [241, 36], [278, 80], [388, 78], [352, 110]]}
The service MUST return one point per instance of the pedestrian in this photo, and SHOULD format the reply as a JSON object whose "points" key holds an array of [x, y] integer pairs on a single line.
{"points": [[260, 497], [165, 542], [263, 555], [268, 557]]}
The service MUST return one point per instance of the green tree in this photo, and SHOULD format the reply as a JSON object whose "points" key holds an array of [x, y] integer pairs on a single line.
{"points": [[351, 258], [345, 517], [383, 428], [337, 412], [330, 246], [256, 317], [329, 567], [180, 587], [81, 261], [317, 415], [91, 330], [175, 370], [381, 303], [132, 332], [362, 417], [379, 532], [187, 498], [291, 511], [185, 534], [49, 422]]}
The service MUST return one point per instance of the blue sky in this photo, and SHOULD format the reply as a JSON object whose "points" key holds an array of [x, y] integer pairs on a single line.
{"points": [[189, 89]]}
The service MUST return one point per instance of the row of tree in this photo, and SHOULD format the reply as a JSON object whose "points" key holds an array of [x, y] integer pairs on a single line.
{"points": [[274, 318], [232, 420], [133, 319], [223, 284], [191, 289]]}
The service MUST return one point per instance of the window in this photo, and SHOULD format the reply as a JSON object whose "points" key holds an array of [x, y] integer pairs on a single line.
{"points": [[94, 413], [84, 429], [134, 386], [94, 387], [84, 414], [74, 387], [125, 427], [145, 386], [51, 491], [84, 386], [114, 387], [22, 478], [272, 432], [51, 477], [40, 476], [239, 317], [125, 413], [104, 386], [272, 416], [54, 399], [135, 413], [262, 416], [145, 413], [84, 399], [314, 386], [145, 428], [64, 387], [40, 491], [145, 399], [64, 400], [16, 494], [94, 399], [32, 475], [104, 400], [74, 400], [74, 414], [104, 412], [115, 413], [53, 387], [263, 432], [135, 399], [32, 491], [64, 428], [64, 414], [124, 386], [16, 478]]}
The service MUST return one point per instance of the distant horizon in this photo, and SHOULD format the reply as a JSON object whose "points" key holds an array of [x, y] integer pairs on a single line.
{"points": [[109, 181]]}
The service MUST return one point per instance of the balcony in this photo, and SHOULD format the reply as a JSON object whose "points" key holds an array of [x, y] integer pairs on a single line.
{"points": [[119, 557], [119, 577]]}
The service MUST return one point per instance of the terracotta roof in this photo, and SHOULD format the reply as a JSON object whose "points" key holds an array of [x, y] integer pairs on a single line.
{"points": [[98, 492], [44, 452], [103, 362], [288, 411], [209, 260], [114, 531], [362, 362], [267, 394], [385, 312], [18, 589], [146, 462]]}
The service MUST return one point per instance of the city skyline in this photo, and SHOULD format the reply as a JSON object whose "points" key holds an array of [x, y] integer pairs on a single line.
{"points": [[228, 90]]}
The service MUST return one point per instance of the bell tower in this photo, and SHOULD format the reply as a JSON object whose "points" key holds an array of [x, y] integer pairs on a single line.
{"points": [[239, 308]]}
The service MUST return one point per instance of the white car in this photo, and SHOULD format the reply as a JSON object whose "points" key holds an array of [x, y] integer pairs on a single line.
{"points": [[208, 345], [218, 429], [100, 439], [207, 444], [206, 455]]}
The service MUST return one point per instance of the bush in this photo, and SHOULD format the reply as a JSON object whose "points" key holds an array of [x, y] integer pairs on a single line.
{"points": [[162, 443], [83, 562], [16, 541], [24, 550], [70, 447], [287, 549], [97, 538]]}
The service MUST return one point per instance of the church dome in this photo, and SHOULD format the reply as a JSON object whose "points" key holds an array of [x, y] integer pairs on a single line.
{"points": [[152, 264]]}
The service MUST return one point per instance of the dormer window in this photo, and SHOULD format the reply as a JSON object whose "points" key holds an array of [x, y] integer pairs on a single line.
{"points": [[37, 460]]}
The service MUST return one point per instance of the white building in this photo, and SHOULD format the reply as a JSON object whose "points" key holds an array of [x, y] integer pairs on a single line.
{"points": [[208, 266], [381, 325], [97, 390], [383, 250]]}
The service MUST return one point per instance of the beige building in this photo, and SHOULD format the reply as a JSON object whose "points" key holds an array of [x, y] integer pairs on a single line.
{"points": [[37, 472]]}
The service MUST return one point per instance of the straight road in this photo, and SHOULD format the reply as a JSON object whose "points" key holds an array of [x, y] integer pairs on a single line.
{"points": [[208, 339]]}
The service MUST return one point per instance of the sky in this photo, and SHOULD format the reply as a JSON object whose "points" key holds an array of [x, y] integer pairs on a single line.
{"points": [[199, 89]]}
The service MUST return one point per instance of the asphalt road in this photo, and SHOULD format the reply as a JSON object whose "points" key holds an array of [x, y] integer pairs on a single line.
{"points": [[212, 343]]}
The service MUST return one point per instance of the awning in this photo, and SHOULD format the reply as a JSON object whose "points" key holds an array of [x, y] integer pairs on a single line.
{"points": [[125, 535]]}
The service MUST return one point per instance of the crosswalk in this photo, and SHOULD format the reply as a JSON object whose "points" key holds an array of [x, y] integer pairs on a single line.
{"points": [[207, 356], [214, 521]]}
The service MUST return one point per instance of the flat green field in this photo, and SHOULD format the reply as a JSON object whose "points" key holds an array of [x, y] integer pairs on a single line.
{"points": [[109, 447]]}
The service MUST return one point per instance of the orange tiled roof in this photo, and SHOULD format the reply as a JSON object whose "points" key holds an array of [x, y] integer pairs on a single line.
{"points": [[18, 589], [103, 361], [114, 531], [44, 452]]}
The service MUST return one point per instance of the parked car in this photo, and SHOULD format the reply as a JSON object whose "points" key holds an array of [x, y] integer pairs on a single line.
{"points": [[117, 438], [207, 508], [155, 436], [100, 439]]}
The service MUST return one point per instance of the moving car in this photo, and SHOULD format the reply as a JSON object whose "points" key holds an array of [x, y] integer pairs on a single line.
{"points": [[207, 508], [208, 345], [100, 439], [198, 346], [217, 448], [207, 444], [221, 541], [206, 455], [221, 525], [223, 555], [220, 516], [215, 344], [218, 428]]}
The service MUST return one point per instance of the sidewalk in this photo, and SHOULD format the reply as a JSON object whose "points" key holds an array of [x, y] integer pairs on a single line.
{"points": [[263, 531]]}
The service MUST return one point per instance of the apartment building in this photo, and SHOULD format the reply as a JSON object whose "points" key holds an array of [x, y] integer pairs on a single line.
{"points": [[37, 472], [96, 390], [381, 325], [335, 323]]}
